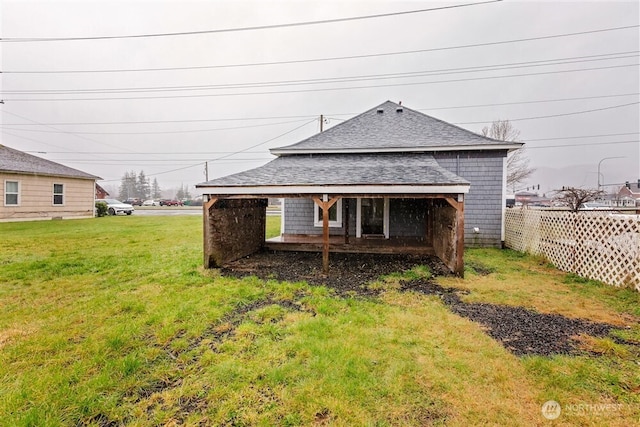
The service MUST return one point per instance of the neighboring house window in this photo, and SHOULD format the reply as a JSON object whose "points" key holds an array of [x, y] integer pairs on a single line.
{"points": [[11, 193], [335, 215], [58, 194]]}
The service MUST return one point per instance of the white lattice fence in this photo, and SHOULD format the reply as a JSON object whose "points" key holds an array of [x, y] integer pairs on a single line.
{"points": [[596, 245]]}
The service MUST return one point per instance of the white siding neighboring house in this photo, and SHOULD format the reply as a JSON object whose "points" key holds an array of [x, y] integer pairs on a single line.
{"points": [[33, 188]]}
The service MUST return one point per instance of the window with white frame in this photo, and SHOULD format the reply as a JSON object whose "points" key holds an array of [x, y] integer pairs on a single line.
{"points": [[58, 194], [11, 193], [335, 215]]}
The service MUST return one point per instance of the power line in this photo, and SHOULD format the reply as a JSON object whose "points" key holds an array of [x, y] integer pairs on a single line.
{"points": [[554, 115], [228, 155], [539, 101], [344, 79], [175, 153], [159, 161], [59, 130], [153, 132], [253, 28], [580, 137], [171, 121], [586, 144], [332, 89], [582, 98], [335, 58]]}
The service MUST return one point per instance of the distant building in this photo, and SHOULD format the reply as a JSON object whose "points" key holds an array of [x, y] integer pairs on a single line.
{"points": [[526, 198], [626, 196], [101, 193], [33, 188]]}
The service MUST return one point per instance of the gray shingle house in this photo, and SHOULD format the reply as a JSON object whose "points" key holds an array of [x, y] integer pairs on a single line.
{"points": [[388, 180], [34, 188]]}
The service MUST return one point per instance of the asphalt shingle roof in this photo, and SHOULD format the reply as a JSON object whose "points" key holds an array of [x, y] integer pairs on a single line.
{"points": [[408, 129], [344, 169], [19, 162]]}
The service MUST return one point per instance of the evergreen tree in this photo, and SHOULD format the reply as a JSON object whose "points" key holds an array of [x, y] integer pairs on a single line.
{"points": [[180, 193], [128, 186], [156, 193], [183, 193], [143, 187]]}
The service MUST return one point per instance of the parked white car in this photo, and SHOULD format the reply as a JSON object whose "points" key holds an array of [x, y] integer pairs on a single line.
{"points": [[150, 203], [115, 207]]}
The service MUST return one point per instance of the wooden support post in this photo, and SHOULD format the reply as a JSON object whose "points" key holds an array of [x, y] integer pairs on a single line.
{"points": [[460, 236], [206, 232], [325, 206], [325, 238], [346, 223]]}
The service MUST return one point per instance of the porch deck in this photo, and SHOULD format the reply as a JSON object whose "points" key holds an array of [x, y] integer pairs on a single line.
{"points": [[372, 245]]}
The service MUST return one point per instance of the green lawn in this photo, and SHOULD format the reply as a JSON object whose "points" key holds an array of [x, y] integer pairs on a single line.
{"points": [[113, 321]]}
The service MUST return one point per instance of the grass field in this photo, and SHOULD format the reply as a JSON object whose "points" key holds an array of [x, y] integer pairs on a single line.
{"points": [[113, 321]]}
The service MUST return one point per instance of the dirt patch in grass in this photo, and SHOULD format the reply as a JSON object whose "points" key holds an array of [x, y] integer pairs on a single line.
{"points": [[520, 330], [348, 273]]}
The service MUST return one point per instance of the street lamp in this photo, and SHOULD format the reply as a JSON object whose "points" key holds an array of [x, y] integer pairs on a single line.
{"points": [[600, 162]]}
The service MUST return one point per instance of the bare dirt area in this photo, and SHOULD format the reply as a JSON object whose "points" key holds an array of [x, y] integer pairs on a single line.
{"points": [[348, 274], [521, 331]]}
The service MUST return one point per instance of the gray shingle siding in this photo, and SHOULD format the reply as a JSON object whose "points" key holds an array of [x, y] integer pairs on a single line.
{"points": [[299, 217], [484, 203], [406, 217]]}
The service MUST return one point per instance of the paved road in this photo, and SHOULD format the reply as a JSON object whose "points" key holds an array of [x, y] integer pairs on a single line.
{"points": [[166, 211], [175, 212]]}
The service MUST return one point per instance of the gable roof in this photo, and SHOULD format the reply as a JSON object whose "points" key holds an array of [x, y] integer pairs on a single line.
{"points": [[14, 161], [633, 190], [391, 127], [373, 173]]}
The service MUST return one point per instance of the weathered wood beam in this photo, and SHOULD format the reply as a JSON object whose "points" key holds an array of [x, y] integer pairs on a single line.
{"points": [[354, 195], [325, 206], [460, 239], [206, 232]]}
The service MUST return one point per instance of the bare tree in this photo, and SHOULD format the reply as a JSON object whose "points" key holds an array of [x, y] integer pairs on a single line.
{"points": [[573, 198], [518, 169]]}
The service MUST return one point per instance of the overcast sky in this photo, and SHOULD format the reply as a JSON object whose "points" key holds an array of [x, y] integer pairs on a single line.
{"points": [[267, 87]]}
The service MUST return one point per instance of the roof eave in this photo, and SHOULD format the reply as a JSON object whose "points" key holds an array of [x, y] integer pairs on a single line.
{"points": [[478, 147], [336, 189], [54, 175]]}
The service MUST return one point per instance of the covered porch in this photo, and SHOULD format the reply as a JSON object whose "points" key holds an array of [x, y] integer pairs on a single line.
{"points": [[339, 202], [235, 225]]}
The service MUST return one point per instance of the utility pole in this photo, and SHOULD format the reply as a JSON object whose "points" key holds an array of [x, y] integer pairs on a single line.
{"points": [[321, 122], [206, 171]]}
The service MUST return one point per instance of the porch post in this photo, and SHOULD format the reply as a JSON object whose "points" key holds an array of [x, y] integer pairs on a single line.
{"points": [[460, 236], [325, 238], [325, 204], [206, 232], [346, 223], [458, 205]]}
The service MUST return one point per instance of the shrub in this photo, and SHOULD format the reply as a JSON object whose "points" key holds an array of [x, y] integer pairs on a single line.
{"points": [[101, 209]]}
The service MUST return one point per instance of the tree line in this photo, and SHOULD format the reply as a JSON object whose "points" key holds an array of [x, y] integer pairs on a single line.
{"points": [[138, 186]]}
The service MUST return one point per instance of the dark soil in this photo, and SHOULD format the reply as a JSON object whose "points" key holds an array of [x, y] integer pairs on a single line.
{"points": [[521, 331], [348, 273]]}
